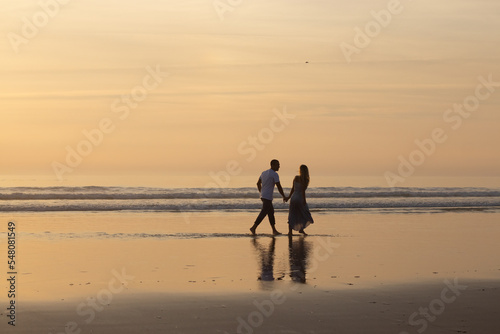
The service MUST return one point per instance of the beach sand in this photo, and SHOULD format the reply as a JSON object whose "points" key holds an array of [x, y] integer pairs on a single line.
{"points": [[365, 272]]}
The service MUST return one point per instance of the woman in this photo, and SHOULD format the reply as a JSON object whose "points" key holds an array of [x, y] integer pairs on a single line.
{"points": [[299, 216]]}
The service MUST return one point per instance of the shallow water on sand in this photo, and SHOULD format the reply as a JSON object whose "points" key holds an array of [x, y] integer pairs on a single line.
{"points": [[75, 255]]}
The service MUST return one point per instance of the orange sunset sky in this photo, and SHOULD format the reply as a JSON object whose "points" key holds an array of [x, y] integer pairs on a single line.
{"points": [[189, 88]]}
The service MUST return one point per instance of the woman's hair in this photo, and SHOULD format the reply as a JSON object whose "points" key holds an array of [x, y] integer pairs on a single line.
{"points": [[304, 175]]}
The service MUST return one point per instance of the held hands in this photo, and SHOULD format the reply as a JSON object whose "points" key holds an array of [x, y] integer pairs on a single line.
{"points": [[285, 199]]}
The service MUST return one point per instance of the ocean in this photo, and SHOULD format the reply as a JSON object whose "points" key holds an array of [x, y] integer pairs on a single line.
{"points": [[320, 199]]}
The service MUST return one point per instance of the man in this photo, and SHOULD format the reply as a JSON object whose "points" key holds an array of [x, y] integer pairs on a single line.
{"points": [[266, 183]]}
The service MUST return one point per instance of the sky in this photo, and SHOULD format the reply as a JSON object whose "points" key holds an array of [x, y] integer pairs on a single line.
{"points": [[210, 91]]}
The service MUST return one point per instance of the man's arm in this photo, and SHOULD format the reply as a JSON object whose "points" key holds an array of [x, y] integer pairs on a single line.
{"points": [[259, 184], [280, 189], [291, 192]]}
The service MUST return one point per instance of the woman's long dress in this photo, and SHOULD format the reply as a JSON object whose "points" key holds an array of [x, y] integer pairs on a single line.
{"points": [[299, 216]]}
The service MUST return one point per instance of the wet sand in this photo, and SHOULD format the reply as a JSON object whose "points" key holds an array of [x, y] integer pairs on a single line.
{"points": [[305, 310], [157, 273]]}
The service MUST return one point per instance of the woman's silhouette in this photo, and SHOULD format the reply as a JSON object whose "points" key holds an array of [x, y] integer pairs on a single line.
{"points": [[299, 216]]}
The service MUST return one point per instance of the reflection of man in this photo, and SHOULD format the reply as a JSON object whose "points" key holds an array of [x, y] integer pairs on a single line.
{"points": [[266, 183], [266, 260]]}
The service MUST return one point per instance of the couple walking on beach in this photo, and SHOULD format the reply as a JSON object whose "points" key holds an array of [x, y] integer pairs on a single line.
{"points": [[299, 216]]}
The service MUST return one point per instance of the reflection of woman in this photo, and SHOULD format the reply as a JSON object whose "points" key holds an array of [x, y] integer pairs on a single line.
{"points": [[299, 216], [299, 251]]}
